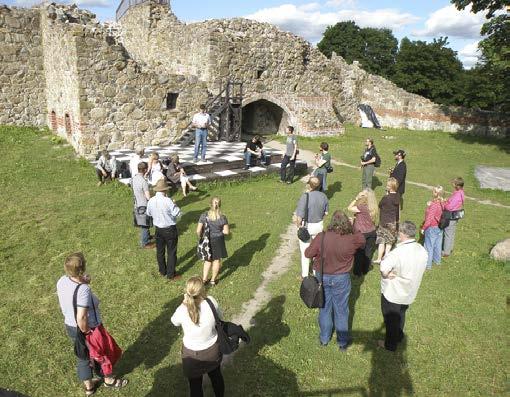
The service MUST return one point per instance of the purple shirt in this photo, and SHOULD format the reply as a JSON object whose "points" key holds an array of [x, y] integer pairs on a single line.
{"points": [[456, 201]]}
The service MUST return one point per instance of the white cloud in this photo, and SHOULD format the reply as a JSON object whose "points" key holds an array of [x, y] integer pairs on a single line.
{"points": [[469, 54], [310, 22], [448, 21], [341, 3]]}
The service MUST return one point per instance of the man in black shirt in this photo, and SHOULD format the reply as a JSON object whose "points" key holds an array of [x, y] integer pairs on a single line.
{"points": [[399, 172], [368, 159], [253, 148]]}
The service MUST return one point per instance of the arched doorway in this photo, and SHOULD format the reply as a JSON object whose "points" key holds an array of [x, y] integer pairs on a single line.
{"points": [[263, 117], [68, 125], [53, 121]]}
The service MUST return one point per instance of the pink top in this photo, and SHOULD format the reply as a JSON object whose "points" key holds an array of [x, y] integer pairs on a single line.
{"points": [[432, 215], [362, 221], [456, 201]]}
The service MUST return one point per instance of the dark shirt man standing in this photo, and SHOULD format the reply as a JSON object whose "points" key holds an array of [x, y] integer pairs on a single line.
{"points": [[368, 159], [399, 172]]}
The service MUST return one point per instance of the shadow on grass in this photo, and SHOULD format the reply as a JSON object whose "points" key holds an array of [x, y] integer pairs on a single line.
{"points": [[376, 182], [187, 220], [244, 255], [153, 343], [502, 144], [251, 374], [356, 284], [334, 188], [10, 393]]}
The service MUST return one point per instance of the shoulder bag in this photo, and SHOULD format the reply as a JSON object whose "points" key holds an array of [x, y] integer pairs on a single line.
{"points": [[140, 217], [80, 346], [312, 290], [302, 232], [204, 243], [228, 333]]}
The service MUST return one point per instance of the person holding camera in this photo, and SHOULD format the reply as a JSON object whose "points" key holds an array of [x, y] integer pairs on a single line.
{"points": [[322, 165]]}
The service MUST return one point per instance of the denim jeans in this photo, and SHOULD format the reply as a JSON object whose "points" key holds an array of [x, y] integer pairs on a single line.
{"points": [[322, 175], [284, 176], [433, 242], [248, 155], [200, 142], [144, 236], [83, 368], [337, 288]]}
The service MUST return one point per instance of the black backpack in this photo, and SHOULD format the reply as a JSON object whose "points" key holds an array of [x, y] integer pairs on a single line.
{"points": [[377, 160]]}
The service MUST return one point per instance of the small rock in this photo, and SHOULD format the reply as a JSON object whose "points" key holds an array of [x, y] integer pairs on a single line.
{"points": [[501, 251]]}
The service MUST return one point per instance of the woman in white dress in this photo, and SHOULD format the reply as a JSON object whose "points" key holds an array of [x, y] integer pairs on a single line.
{"points": [[155, 171]]}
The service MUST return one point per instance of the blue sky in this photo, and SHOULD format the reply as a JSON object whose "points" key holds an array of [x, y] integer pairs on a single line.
{"points": [[416, 19]]}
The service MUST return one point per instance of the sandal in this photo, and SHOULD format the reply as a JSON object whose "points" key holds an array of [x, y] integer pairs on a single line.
{"points": [[117, 383], [206, 281], [92, 390], [213, 282]]}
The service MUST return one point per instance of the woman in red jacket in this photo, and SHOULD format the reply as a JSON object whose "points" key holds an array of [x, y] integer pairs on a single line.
{"points": [[430, 228]]}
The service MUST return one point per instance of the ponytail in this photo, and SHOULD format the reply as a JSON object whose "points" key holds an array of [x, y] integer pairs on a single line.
{"points": [[193, 297], [215, 212]]}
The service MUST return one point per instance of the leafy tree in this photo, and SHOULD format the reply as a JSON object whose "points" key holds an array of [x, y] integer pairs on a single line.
{"points": [[491, 6], [429, 69], [375, 49]]}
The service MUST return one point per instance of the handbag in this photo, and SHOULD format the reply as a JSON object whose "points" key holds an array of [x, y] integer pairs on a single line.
{"points": [[80, 346], [329, 169], [312, 290], [228, 333], [302, 232], [140, 217], [204, 243]]}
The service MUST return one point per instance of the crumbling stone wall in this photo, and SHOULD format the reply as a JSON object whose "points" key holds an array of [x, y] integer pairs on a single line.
{"points": [[102, 98], [22, 96]]}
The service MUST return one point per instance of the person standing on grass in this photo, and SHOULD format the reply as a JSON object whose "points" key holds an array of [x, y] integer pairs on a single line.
{"points": [[368, 159], [389, 214], [318, 207], [200, 351], [366, 213], [86, 318], [142, 195], [401, 273], [217, 225], [164, 214], [454, 204], [201, 122], [106, 168], [323, 164], [430, 228], [399, 172], [289, 158], [339, 244]]}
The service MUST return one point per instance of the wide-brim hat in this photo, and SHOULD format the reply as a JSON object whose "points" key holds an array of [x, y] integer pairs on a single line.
{"points": [[161, 186]]}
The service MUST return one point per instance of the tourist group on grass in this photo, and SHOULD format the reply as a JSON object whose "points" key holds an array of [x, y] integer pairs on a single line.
{"points": [[331, 253]]}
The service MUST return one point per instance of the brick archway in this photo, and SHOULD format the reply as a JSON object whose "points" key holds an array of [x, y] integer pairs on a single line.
{"points": [[265, 115]]}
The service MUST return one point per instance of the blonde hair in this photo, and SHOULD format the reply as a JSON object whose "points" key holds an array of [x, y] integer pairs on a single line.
{"points": [[174, 158], [437, 192], [74, 265], [154, 156], [368, 198], [393, 184], [194, 294], [215, 210]]}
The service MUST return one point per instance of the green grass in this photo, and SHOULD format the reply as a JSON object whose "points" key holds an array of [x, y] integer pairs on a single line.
{"points": [[457, 343], [433, 157]]}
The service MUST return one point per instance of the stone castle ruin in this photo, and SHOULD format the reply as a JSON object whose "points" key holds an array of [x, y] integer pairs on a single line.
{"points": [[139, 81]]}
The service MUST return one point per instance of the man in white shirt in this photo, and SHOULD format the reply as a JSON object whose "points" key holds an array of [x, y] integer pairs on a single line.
{"points": [[201, 122], [164, 214], [135, 160], [401, 273]]}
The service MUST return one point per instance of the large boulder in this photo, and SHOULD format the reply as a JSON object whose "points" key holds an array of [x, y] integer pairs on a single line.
{"points": [[501, 251]]}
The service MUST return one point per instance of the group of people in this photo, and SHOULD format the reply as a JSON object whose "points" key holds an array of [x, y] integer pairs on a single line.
{"points": [[348, 244]]}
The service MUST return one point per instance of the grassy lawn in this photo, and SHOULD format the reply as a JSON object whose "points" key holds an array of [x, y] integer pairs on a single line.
{"points": [[433, 157], [457, 343]]}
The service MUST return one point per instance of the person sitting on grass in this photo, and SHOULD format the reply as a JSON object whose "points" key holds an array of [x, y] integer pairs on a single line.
{"points": [[218, 227], [176, 174], [253, 148], [389, 210], [74, 286], [106, 168]]}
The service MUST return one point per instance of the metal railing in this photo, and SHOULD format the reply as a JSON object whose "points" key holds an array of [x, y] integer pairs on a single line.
{"points": [[127, 4]]}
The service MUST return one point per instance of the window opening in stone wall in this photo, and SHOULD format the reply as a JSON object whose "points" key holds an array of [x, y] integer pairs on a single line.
{"points": [[260, 72], [53, 121], [171, 100], [68, 125]]}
